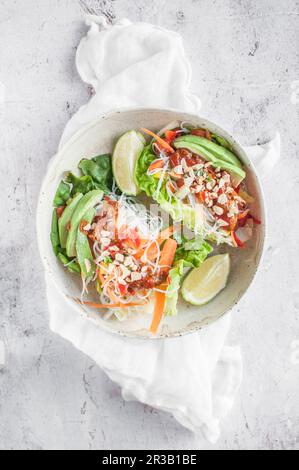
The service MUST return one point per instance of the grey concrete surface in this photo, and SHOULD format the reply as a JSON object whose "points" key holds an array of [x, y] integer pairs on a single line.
{"points": [[245, 61]]}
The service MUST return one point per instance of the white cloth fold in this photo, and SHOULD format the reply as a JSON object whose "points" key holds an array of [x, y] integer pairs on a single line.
{"points": [[195, 377]]}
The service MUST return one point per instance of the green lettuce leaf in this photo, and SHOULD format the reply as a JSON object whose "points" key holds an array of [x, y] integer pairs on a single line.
{"points": [[62, 194], [99, 169], [146, 183], [192, 257], [81, 184], [194, 244], [172, 292]]}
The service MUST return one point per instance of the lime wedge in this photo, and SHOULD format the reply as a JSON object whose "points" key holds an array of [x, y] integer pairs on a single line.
{"points": [[125, 156], [204, 283]]}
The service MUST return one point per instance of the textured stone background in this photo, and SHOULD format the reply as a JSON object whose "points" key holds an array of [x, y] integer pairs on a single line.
{"points": [[245, 60]]}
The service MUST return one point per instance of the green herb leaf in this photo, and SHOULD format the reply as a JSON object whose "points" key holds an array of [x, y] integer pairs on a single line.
{"points": [[100, 170], [62, 194]]}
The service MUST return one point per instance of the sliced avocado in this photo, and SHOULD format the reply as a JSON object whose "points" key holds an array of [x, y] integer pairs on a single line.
{"points": [[84, 254], [236, 173], [66, 218], [202, 152], [218, 151], [88, 201]]}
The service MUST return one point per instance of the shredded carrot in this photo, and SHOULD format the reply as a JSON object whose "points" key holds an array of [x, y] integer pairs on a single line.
{"points": [[152, 250], [168, 252], [161, 141], [165, 234], [166, 258], [155, 165], [160, 299]]}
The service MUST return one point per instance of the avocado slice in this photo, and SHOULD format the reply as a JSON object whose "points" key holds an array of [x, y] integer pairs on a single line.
{"points": [[206, 154], [218, 151], [88, 201], [84, 254], [66, 218], [236, 173]]}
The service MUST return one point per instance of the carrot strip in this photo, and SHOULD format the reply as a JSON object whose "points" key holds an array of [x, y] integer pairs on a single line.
{"points": [[168, 252], [155, 165], [160, 299], [166, 258], [161, 141], [165, 234]]}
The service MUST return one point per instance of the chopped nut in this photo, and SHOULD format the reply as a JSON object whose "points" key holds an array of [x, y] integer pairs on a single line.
{"points": [[221, 183], [136, 276], [222, 199], [119, 257], [218, 210], [191, 173], [184, 164], [128, 261], [114, 248], [125, 271], [105, 241], [105, 234], [210, 185]]}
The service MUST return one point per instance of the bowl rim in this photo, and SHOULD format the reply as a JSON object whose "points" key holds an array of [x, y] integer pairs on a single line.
{"points": [[72, 140]]}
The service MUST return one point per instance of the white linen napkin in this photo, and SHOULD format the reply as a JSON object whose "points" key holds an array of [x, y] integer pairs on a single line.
{"points": [[195, 377]]}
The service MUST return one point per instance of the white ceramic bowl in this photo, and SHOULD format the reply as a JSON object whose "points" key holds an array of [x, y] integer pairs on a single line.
{"points": [[98, 137]]}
